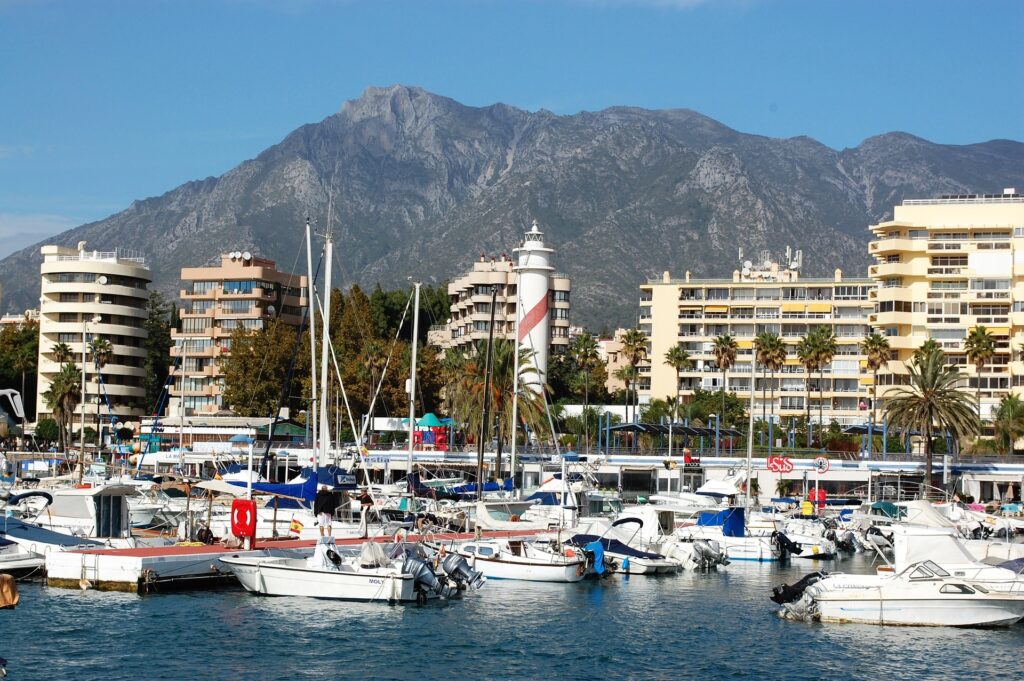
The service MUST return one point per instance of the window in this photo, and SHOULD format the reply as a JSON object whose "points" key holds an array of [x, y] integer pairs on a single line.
{"points": [[200, 287], [851, 292], [948, 285], [718, 294], [68, 298], [561, 296], [949, 260], [892, 282], [73, 277], [200, 306], [559, 313], [990, 284], [236, 306], [67, 317], [195, 324], [237, 286], [918, 234], [485, 551]]}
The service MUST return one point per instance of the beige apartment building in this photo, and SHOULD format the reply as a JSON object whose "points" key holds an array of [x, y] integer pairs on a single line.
{"points": [[470, 296], [243, 291], [610, 352], [761, 297], [944, 266], [87, 295]]}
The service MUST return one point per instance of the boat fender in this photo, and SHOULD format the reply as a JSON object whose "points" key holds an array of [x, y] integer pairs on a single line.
{"points": [[400, 536], [625, 565], [580, 570]]}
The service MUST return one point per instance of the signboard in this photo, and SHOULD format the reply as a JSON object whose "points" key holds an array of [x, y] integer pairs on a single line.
{"points": [[821, 464], [780, 464]]}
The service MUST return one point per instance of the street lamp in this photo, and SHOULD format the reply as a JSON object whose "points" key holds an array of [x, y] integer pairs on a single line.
{"points": [[715, 417]]}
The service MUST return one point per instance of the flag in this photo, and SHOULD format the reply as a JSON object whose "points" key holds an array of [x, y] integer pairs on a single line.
{"points": [[295, 526]]}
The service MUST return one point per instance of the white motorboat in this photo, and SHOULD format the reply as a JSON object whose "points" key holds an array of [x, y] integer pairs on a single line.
{"points": [[620, 547], [933, 581], [525, 560], [18, 561], [726, 528], [372, 575], [657, 535]]}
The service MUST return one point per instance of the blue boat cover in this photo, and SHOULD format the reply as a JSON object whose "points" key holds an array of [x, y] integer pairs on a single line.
{"points": [[597, 548], [332, 476], [610, 545], [731, 520], [546, 498], [19, 529], [305, 490], [470, 488]]}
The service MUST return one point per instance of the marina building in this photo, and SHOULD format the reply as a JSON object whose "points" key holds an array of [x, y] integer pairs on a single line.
{"points": [[943, 267], [87, 295], [766, 296], [243, 291], [531, 279], [610, 352]]}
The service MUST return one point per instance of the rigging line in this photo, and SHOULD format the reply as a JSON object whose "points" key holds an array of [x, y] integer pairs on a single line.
{"points": [[384, 370]]}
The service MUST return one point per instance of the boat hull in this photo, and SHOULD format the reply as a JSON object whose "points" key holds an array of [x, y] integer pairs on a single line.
{"points": [[992, 612], [271, 577], [528, 572]]}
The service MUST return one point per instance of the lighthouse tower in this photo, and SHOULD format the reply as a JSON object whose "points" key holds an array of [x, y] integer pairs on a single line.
{"points": [[534, 322]]}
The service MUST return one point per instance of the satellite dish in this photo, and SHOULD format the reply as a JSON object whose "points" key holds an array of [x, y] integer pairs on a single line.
{"points": [[794, 265], [747, 264], [247, 256], [102, 279], [270, 310], [746, 271]]}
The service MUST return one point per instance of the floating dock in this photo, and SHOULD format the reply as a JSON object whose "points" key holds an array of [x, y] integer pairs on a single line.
{"points": [[182, 567]]}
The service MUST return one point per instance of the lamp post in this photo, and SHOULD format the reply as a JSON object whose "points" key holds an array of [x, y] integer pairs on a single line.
{"points": [[715, 417]]}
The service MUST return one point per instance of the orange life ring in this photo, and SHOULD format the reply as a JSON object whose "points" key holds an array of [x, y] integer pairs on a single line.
{"points": [[514, 519]]}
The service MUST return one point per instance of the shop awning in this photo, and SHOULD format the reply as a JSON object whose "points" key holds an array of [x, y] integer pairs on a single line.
{"points": [[819, 307], [793, 307], [716, 308], [744, 344]]}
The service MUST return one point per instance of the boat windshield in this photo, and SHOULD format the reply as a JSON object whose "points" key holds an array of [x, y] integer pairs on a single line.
{"points": [[936, 569]]}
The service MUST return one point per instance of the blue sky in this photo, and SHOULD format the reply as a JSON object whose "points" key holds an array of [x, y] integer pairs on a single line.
{"points": [[104, 102]]}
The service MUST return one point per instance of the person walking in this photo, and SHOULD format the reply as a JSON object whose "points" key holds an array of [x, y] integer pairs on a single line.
{"points": [[324, 505]]}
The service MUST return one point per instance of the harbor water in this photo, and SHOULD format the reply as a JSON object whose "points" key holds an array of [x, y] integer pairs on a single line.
{"points": [[699, 626]]}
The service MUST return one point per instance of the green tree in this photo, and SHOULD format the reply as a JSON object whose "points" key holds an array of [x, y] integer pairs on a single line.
{"points": [[928, 347], [61, 353], [634, 349], [1009, 423], [827, 348], [62, 397], [679, 359], [724, 348], [48, 430], [157, 348], [255, 368], [770, 351], [932, 402], [979, 347], [876, 348], [808, 352], [584, 350]]}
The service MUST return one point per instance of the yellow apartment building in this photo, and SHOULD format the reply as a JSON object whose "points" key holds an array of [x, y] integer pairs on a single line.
{"points": [[766, 296], [944, 266]]}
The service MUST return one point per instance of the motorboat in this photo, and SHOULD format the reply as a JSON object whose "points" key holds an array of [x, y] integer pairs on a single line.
{"points": [[727, 529], [932, 581], [657, 535], [86, 513], [619, 542], [402, 574], [18, 561], [531, 561]]}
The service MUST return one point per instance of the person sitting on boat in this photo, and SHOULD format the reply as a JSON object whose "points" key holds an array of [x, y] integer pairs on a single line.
{"points": [[324, 506]]}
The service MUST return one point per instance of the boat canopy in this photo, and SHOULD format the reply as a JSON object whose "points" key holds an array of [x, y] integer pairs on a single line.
{"points": [[731, 520]]}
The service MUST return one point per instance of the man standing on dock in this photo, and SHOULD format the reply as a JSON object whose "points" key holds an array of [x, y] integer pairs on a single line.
{"points": [[323, 507]]}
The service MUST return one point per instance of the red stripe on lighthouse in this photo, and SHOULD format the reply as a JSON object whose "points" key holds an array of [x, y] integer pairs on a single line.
{"points": [[539, 311]]}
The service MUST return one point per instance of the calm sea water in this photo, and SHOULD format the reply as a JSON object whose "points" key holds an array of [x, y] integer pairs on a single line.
{"points": [[714, 626]]}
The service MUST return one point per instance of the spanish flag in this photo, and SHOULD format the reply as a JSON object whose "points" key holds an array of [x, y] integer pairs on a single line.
{"points": [[295, 527]]}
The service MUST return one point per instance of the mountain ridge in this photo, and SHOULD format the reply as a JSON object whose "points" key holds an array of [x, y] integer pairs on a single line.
{"points": [[422, 184]]}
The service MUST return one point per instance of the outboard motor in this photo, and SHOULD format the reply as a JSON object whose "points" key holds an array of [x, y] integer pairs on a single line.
{"points": [[787, 594], [458, 570], [709, 553], [425, 577], [786, 544]]}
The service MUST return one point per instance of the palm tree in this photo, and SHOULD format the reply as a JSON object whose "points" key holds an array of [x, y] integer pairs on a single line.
{"points": [[770, 351], [928, 347], [930, 400], [1009, 423], [724, 348], [628, 374], [468, 392], [876, 348], [807, 352], [634, 349], [102, 351], [584, 351], [979, 347], [827, 349], [62, 353], [62, 398], [679, 359]]}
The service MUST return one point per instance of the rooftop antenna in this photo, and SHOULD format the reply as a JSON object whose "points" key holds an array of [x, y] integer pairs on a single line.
{"points": [[741, 254]]}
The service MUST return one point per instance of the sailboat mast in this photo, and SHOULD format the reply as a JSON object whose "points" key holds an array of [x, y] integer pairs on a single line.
{"points": [[515, 391], [325, 429], [412, 374], [485, 417], [311, 298]]}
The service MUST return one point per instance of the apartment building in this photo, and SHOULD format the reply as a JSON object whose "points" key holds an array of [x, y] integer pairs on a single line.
{"points": [[944, 266], [87, 295], [243, 291], [761, 297], [470, 296]]}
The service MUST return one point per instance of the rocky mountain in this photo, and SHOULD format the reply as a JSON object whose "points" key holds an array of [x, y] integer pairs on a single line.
{"points": [[422, 185]]}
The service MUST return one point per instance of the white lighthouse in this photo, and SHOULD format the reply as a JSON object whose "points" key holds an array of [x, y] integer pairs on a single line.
{"points": [[532, 310]]}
